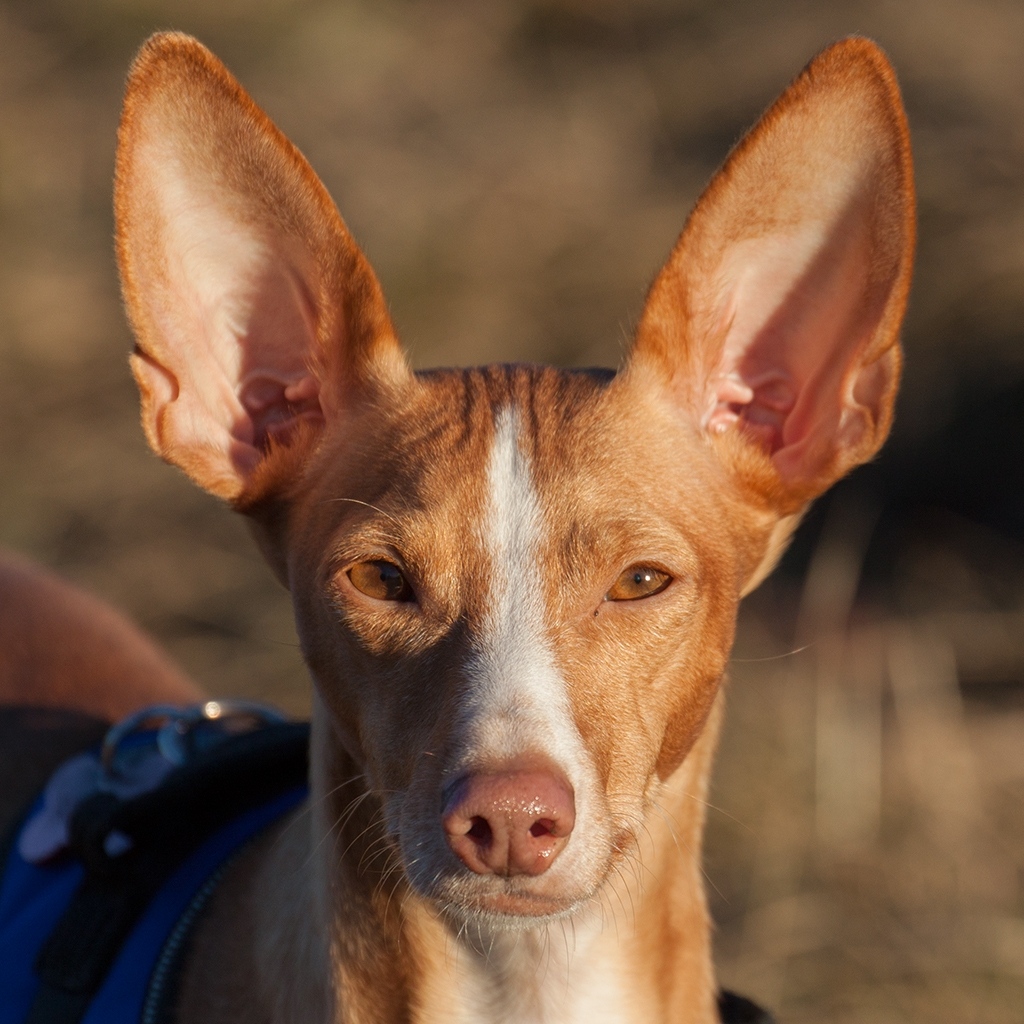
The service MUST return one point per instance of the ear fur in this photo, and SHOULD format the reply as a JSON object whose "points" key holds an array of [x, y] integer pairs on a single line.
{"points": [[254, 311], [775, 320]]}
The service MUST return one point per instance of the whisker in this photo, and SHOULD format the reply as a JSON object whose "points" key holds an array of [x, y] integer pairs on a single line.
{"points": [[721, 810], [629, 915], [668, 818], [356, 501], [773, 657], [568, 956], [334, 831], [307, 809]]}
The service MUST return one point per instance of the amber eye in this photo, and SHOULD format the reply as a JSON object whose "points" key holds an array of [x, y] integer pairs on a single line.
{"points": [[380, 580], [636, 582]]}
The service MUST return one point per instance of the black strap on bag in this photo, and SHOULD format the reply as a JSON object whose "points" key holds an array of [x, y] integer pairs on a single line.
{"points": [[734, 1009], [165, 826]]}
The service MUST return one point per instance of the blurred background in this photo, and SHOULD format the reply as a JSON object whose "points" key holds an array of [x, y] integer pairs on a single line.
{"points": [[517, 172]]}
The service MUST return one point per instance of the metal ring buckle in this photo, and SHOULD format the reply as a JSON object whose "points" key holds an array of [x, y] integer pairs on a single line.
{"points": [[177, 736]]}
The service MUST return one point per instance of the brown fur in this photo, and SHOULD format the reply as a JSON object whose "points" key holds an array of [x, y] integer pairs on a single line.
{"points": [[765, 366]]}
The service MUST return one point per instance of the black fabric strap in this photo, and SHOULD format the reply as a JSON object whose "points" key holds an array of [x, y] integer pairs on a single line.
{"points": [[165, 826], [35, 742], [734, 1009]]}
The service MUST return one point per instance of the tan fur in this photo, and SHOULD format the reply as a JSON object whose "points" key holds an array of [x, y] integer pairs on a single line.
{"points": [[765, 366]]}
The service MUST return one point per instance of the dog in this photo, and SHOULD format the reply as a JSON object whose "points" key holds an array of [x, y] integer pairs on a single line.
{"points": [[515, 586]]}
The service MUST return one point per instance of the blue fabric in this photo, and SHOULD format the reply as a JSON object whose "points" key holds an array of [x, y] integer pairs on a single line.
{"points": [[33, 898]]}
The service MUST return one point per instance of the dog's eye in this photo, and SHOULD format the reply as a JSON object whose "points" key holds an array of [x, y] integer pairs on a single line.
{"points": [[636, 582], [380, 580]]}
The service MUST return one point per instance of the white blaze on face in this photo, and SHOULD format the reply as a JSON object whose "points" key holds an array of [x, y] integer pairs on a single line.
{"points": [[518, 702]]}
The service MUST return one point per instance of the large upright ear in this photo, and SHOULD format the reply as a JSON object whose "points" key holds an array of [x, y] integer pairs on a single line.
{"points": [[776, 318], [253, 309]]}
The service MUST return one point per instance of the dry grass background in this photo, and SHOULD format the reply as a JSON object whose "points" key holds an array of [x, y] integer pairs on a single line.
{"points": [[517, 172]]}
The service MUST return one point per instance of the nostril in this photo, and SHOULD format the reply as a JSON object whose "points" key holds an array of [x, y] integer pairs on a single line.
{"points": [[510, 821], [480, 830]]}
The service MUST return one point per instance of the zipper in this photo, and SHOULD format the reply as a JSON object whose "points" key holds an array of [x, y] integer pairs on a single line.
{"points": [[159, 989]]}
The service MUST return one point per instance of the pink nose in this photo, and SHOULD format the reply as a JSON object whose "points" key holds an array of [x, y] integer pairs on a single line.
{"points": [[509, 822]]}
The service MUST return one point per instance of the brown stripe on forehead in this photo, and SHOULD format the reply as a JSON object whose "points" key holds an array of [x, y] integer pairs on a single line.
{"points": [[547, 399], [558, 426], [559, 419], [505, 383], [423, 462], [461, 413]]}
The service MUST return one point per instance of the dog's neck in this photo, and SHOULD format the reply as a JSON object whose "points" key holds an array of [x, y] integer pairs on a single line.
{"points": [[333, 933]]}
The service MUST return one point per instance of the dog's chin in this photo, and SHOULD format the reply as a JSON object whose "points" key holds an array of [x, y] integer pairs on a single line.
{"points": [[501, 903], [506, 903], [507, 911]]}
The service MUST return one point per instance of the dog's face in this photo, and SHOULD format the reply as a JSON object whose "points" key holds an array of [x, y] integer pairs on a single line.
{"points": [[516, 587], [464, 561]]}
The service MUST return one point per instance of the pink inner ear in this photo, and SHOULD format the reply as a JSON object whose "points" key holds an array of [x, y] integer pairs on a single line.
{"points": [[243, 330], [276, 406], [273, 329], [760, 405], [800, 308]]}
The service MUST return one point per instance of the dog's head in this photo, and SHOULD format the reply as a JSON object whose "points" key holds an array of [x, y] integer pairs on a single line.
{"points": [[515, 586]]}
